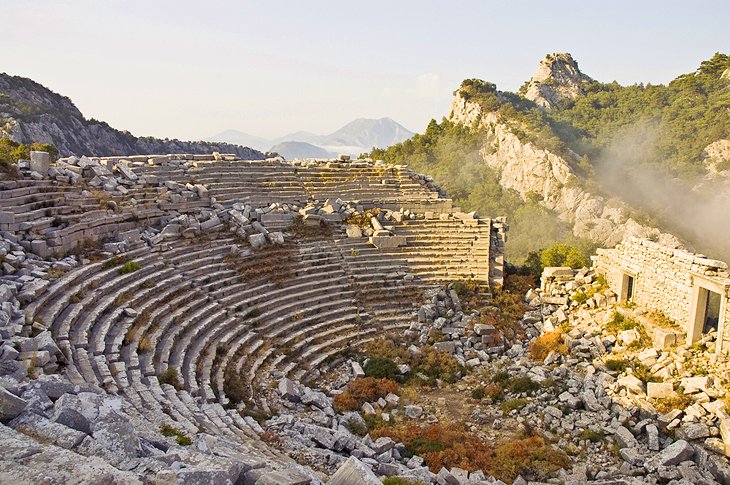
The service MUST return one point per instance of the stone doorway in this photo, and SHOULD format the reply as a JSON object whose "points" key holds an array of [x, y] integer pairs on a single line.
{"points": [[707, 311], [628, 285]]}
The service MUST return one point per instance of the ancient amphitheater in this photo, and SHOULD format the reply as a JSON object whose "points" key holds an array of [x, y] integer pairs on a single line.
{"points": [[150, 303]]}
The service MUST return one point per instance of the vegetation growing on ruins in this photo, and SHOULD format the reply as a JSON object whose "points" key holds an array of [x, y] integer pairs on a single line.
{"points": [[548, 342], [11, 151], [451, 445], [180, 437], [362, 390]]}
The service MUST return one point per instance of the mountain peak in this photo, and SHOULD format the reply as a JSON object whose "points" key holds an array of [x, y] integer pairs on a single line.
{"points": [[557, 77]]}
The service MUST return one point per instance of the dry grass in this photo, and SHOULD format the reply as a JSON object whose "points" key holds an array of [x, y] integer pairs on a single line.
{"points": [[541, 347]]}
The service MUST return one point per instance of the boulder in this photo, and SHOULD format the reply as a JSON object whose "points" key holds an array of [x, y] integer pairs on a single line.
{"points": [[40, 162], [624, 438], [675, 453], [659, 390], [413, 411], [10, 405], [257, 240], [354, 472], [288, 390]]}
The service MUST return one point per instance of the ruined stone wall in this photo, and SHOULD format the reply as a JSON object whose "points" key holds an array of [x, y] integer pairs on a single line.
{"points": [[664, 278], [497, 240]]}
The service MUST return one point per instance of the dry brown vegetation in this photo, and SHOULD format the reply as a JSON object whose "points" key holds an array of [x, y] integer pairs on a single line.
{"points": [[546, 343], [362, 390], [451, 445]]}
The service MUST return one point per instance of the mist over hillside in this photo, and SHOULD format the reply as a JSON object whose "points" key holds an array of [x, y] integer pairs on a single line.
{"points": [[604, 160]]}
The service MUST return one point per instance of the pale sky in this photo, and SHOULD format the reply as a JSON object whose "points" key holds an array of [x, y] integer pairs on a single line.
{"points": [[190, 69]]}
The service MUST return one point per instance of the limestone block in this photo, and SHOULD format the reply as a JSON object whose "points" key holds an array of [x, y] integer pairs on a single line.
{"points": [[387, 242], [676, 453], [10, 405], [354, 472], [354, 231], [127, 172], [40, 162], [659, 390], [257, 240], [692, 385]]}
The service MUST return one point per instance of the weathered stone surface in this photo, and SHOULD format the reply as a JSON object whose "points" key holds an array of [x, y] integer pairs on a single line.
{"points": [[675, 453], [257, 241], [40, 161], [41, 428], [354, 472], [289, 390], [10, 405], [413, 411], [659, 390], [624, 438]]}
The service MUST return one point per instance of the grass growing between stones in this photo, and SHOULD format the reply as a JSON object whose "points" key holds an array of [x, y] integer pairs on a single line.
{"points": [[451, 445], [680, 401], [180, 437], [619, 323], [129, 267], [541, 347]]}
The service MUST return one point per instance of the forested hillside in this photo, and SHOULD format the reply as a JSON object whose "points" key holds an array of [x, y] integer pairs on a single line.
{"points": [[642, 143]]}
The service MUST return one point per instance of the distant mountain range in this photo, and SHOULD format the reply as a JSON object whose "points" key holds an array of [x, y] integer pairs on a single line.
{"points": [[356, 137], [30, 112]]}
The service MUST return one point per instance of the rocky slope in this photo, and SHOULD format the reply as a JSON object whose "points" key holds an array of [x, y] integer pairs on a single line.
{"points": [[528, 169], [30, 112], [558, 77]]}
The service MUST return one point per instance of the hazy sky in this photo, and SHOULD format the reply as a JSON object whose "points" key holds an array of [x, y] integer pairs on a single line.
{"points": [[190, 69]]}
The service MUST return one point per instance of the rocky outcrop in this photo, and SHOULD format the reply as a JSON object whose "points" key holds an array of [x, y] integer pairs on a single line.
{"points": [[558, 77], [527, 169], [715, 154], [30, 112]]}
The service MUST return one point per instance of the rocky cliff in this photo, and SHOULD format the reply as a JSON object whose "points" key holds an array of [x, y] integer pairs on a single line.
{"points": [[558, 77], [30, 112], [528, 169]]}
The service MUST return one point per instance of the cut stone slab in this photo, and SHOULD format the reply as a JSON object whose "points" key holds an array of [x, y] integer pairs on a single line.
{"points": [[257, 240], [387, 242], [624, 438], [10, 405], [354, 472], [695, 384], [354, 231], [675, 453], [43, 429], [288, 390], [40, 161], [659, 390]]}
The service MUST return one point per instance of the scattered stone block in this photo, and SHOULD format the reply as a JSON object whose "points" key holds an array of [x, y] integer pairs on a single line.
{"points": [[676, 453], [354, 472], [10, 405], [40, 162], [659, 390]]}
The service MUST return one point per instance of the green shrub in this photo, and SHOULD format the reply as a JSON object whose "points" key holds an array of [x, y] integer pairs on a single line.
{"points": [[523, 384], [401, 481], [477, 393], [560, 254], [129, 267], [513, 404], [589, 435], [380, 367], [619, 323], [170, 376], [617, 365]]}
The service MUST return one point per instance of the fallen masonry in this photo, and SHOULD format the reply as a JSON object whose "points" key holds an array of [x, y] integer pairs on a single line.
{"points": [[201, 319]]}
